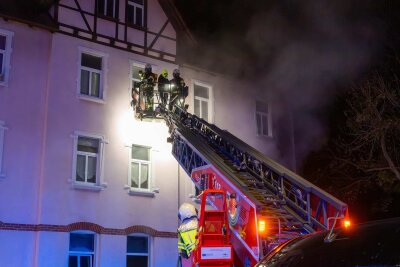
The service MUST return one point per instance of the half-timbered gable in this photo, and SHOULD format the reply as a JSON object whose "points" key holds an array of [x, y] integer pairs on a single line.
{"points": [[138, 26]]}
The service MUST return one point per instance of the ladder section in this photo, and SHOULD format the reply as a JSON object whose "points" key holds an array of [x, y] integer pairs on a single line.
{"points": [[300, 205]]}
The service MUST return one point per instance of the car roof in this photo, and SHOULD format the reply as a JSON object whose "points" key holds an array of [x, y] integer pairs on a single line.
{"points": [[370, 244]]}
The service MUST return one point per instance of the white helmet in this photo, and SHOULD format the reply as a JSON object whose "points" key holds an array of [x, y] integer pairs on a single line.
{"points": [[187, 211]]}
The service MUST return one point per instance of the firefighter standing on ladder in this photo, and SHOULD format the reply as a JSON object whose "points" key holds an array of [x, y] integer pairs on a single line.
{"points": [[148, 82], [187, 231]]}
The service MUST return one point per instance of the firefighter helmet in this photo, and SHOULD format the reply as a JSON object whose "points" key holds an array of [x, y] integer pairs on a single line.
{"points": [[164, 73], [187, 211], [147, 68], [176, 73]]}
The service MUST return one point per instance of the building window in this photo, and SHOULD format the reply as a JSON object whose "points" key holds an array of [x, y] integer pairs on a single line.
{"points": [[91, 72], [140, 169], [202, 103], [107, 8], [88, 161], [263, 119], [135, 77], [5, 53], [137, 251], [135, 12], [81, 250], [2, 128]]}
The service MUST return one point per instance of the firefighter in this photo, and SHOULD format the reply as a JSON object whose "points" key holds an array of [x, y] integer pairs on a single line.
{"points": [[163, 86], [147, 83], [187, 230], [179, 91]]}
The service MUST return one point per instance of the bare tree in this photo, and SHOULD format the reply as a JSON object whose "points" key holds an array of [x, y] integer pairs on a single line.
{"points": [[373, 125]]}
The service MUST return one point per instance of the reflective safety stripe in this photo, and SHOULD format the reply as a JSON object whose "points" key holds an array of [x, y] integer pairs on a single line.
{"points": [[189, 240]]}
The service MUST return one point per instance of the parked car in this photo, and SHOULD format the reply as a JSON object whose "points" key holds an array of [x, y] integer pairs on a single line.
{"points": [[370, 244]]}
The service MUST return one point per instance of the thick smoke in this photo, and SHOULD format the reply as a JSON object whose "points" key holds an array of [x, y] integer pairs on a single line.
{"points": [[299, 54]]}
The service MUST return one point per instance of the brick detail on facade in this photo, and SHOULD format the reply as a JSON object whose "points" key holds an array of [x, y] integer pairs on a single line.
{"points": [[87, 226]]}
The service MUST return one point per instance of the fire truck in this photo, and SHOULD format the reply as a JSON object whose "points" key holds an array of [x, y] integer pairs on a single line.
{"points": [[267, 204]]}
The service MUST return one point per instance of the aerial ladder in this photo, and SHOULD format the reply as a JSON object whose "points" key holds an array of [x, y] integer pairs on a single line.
{"points": [[267, 203]]}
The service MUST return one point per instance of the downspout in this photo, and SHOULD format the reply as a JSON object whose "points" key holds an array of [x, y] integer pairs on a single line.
{"points": [[42, 156]]}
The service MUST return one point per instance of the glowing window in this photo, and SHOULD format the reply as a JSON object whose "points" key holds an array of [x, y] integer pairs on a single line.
{"points": [[135, 12], [91, 75], [5, 54], [140, 169], [137, 251], [81, 249], [263, 119]]}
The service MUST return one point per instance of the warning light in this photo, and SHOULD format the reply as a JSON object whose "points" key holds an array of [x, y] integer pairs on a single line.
{"points": [[346, 223], [261, 226]]}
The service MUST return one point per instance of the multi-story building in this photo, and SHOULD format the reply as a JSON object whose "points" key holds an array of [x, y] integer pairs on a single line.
{"points": [[82, 181]]}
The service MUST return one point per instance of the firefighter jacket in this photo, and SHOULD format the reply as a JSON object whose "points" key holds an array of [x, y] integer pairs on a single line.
{"points": [[187, 241]]}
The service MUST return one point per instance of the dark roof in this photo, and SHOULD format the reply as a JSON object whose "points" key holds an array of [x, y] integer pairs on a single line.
{"points": [[30, 12], [177, 21]]}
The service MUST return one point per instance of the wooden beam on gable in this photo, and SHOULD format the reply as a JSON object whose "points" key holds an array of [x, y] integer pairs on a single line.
{"points": [[159, 34], [83, 15]]}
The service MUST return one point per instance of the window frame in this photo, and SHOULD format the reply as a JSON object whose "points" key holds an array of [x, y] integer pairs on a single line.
{"points": [[268, 117], [100, 183], [114, 16], [135, 6], [150, 171], [210, 100], [2, 134], [5, 71], [132, 80], [103, 75], [149, 246], [78, 253]]}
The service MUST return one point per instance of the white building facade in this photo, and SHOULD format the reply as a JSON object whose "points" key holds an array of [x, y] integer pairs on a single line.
{"points": [[82, 182]]}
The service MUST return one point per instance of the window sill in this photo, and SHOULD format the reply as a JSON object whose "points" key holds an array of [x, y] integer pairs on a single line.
{"points": [[109, 18], [94, 187], [135, 26], [91, 98], [143, 193]]}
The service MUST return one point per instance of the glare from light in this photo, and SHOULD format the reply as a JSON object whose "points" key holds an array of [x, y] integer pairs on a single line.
{"points": [[152, 133], [346, 223], [261, 226]]}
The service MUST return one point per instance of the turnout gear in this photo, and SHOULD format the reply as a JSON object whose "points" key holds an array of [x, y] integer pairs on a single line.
{"points": [[147, 87], [187, 230], [163, 86], [179, 91]]}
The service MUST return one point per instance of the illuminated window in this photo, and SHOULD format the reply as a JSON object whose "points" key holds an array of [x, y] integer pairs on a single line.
{"points": [[137, 251], [263, 119], [140, 169], [107, 8], [87, 162], [81, 249], [5, 53], [2, 128], [135, 12], [135, 68], [202, 104], [91, 74]]}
